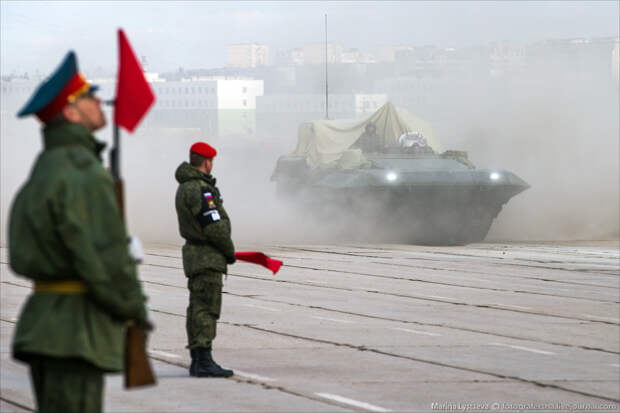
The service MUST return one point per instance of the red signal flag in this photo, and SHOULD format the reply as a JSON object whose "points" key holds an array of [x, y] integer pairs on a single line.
{"points": [[260, 259], [134, 95]]}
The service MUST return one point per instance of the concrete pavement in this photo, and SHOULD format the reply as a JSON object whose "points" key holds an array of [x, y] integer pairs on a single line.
{"points": [[504, 327]]}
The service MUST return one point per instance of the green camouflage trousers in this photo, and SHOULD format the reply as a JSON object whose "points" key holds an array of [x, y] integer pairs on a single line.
{"points": [[66, 385], [205, 304]]}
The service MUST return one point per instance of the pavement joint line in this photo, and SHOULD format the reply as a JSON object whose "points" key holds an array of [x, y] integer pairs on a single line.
{"points": [[164, 284], [447, 283], [614, 320], [363, 348], [432, 298], [253, 376], [439, 297], [432, 362], [439, 269], [330, 252], [260, 307], [420, 323], [531, 350], [234, 274], [502, 262], [426, 333], [163, 353], [354, 403], [254, 381], [334, 320], [477, 257], [395, 320], [16, 404], [510, 277], [514, 306], [17, 284], [489, 306], [360, 348]]}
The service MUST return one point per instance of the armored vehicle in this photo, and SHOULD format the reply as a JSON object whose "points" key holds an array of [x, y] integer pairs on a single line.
{"points": [[392, 183]]}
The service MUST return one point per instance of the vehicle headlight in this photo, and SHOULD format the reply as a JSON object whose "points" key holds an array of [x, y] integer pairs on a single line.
{"points": [[391, 176], [495, 176]]}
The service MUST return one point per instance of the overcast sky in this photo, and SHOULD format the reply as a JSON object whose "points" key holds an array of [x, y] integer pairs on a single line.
{"points": [[36, 35]]}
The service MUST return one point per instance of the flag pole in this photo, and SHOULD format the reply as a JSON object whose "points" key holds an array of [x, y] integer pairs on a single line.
{"points": [[116, 153], [115, 166], [115, 169]]}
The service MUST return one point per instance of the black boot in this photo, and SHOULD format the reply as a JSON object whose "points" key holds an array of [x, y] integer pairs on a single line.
{"points": [[192, 367], [206, 367]]}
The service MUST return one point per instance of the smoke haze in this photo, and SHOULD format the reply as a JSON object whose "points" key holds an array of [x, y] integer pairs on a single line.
{"points": [[554, 123]]}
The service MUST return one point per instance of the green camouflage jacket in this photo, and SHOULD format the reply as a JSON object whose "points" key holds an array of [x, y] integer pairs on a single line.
{"points": [[369, 142], [203, 222], [65, 225]]}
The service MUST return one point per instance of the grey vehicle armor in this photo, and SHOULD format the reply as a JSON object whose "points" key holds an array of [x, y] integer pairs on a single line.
{"points": [[405, 189]]}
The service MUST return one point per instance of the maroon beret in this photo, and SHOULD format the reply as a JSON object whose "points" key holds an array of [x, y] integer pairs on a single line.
{"points": [[203, 149]]}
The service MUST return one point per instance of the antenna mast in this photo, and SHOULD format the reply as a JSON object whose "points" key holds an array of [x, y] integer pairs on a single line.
{"points": [[326, 93]]}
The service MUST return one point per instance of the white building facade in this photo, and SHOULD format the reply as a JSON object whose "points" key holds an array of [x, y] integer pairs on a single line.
{"points": [[220, 107]]}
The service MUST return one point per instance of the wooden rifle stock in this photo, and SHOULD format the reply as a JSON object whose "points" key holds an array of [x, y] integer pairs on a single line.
{"points": [[138, 371], [119, 190]]}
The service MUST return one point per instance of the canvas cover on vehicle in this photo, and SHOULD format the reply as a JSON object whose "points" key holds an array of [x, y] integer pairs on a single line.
{"points": [[324, 142]]}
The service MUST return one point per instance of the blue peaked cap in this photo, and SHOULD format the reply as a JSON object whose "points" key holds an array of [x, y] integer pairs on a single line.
{"points": [[53, 86]]}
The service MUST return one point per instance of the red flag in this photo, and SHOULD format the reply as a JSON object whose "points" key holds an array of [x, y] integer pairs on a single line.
{"points": [[134, 96], [260, 259]]}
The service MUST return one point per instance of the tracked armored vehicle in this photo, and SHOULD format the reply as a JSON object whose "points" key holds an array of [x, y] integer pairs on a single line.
{"points": [[403, 189]]}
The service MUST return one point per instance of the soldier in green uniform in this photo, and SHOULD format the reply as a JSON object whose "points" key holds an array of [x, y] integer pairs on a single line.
{"points": [[66, 234], [205, 225], [369, 141]]}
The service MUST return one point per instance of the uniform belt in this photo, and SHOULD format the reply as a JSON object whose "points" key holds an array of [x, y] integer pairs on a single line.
{"points": [[66, 286]]}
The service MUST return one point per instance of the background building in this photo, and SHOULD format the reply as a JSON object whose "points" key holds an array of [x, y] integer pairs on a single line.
{"points": [[248, 55], [315, 53], [293, 57], [278, 116], [219, 107]]}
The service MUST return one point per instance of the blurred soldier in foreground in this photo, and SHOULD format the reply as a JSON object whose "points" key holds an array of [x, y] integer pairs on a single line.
{"points": [[205, 225], [67, 235], [369, 141]]}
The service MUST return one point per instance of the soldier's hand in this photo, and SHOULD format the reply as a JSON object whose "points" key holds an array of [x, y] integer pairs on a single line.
{"points": [[231, 260], [135, 249], [145, 325]]}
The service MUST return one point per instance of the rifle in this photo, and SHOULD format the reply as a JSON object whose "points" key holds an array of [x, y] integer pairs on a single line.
{"points": [[138, 371]]}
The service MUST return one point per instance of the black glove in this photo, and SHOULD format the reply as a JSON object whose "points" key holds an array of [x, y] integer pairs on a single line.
{"points": [[145, 325], [231, 260]]}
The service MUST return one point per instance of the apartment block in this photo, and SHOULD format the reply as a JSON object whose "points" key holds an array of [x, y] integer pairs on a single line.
{"points": [[248, 55]]}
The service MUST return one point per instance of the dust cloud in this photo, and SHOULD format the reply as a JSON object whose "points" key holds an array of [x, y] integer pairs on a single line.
{"points": [[557, 130], [555, 127]]}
